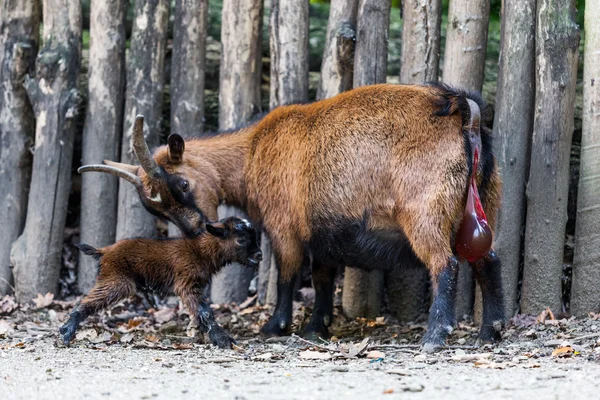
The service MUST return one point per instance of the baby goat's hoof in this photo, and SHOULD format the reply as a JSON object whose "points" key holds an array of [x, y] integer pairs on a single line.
{"points": [[223, 341], [66, 334]]}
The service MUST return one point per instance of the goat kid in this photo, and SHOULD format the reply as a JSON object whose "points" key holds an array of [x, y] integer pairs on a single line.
{"points": [[184, 265], [361, 179]]}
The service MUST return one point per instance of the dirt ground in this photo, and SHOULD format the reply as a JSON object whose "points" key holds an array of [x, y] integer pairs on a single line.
{"points": [[131, 352]]}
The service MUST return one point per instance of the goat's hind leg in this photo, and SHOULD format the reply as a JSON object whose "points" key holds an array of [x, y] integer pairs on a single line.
{"points": [[101, 296], [323, 277], [487, 273], [442, 316]]}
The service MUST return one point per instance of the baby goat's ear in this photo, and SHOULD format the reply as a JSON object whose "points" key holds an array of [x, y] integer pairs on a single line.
{"points": [[176, 148], [217, 229]]}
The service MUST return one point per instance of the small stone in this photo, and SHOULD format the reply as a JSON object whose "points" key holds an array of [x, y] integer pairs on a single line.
{"points": [[420, 358]]}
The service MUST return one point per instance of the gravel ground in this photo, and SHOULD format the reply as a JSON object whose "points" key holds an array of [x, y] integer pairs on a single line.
{"points": [[131, 352], [43, 371]]}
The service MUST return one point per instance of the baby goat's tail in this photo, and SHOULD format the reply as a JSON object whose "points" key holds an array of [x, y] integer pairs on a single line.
{"points": [[89, 250]]}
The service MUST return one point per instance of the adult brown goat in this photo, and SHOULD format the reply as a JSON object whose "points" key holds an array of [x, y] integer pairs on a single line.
{"points": [[360, 179]]}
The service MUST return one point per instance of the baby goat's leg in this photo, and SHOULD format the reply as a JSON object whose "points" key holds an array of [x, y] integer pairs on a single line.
{"points": [[442, 316], [487, 272], [201, 312], [102, 295]]}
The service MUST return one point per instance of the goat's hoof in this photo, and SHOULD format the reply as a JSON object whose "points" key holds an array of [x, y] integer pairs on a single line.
{"points": [[66, 335], [491, 333], [224, 341], [315, 330], [275, 327], [428, 347]]}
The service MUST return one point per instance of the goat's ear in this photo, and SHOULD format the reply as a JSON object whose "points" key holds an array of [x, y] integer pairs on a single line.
{"points": [[176, 148], [217, 229]]}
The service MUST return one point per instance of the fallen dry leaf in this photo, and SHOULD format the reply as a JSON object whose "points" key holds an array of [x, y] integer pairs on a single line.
{"points": [[314, 355], [182, 346], [263, 357], [164, 315], [8, 305], [152, 338], [126, 338], [88, 334], [388, 391], [375, 354], [566, 351], [43, 301], [6, 328], [544, 315]]}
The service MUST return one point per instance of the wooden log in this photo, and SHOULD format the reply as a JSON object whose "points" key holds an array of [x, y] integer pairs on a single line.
{"points": [[239, 101], [466, 42], [557, 40], [512, 132], [363, 290], [145, 82], [464, 64], [420, 57], [19, 35], [408, 287], [36, 254], [338, 53], [102, 131], [586, 268], [188, 66]]}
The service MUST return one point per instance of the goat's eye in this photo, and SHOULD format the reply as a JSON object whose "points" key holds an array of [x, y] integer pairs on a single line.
{"points": [[185, 185]]}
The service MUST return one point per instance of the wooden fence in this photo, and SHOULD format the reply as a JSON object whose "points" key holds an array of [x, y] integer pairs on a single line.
{"points": [[43, 118]]}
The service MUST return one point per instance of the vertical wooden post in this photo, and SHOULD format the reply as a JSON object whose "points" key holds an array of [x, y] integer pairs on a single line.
{"points": [[407, 286], [102, 130], [288, 39], [464, 64], [586, 268], [363, 290], [188, 71], [513, 126], [145, 82], [19, 35], [239, 101], [36, 255], [338, 53], [557, 40]]}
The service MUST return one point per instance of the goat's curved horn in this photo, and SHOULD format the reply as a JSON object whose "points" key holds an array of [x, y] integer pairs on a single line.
{"points": [[128, 176], [133, 169], [140, 147]]}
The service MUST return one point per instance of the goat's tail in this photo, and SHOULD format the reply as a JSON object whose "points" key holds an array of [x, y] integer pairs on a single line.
{"points": [[89, 250]]}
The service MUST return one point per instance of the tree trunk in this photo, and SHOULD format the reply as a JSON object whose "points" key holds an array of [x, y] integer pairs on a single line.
{"points": [[288, 40], [36, 255], [19, 34], [189, 55], [464, 64], [239, 101], [421, 28], [512, 131], [407, 287], [466, 42], [586, 269], [557, 39], [363, 290], [289, 52], [102, 131], [145, 82], [338, 54]]}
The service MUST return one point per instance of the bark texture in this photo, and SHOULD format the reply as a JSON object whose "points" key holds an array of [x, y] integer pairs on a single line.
{"points": [[421, 28], [586, 268], [464, 63], [406, 287], [19, 34], [145, 82], [289, 52], [466, 42], [239, 101], [36, 255], [363, 290], [102, 130], [557, 40], [513, 126], [338, 54]]}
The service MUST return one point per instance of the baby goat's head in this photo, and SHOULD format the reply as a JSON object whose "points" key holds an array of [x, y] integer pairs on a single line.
{"points": [[242, 239]]}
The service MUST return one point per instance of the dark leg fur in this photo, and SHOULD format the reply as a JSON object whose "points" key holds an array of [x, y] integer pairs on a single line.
{"points": [[323, 278], [281, 320], [207, 324], [101, 296], [442, 316], [487, 273]]}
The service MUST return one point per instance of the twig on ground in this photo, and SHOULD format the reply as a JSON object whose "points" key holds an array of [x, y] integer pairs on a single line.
{"points": [[584, 337], [300, 339]]}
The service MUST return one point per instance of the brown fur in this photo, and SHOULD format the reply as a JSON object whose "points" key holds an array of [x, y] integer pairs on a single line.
{"points": [[182, 265]]}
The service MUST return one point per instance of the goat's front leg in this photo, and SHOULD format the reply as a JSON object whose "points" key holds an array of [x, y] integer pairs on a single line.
{"points": [[442, 316], [207, 324]]}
